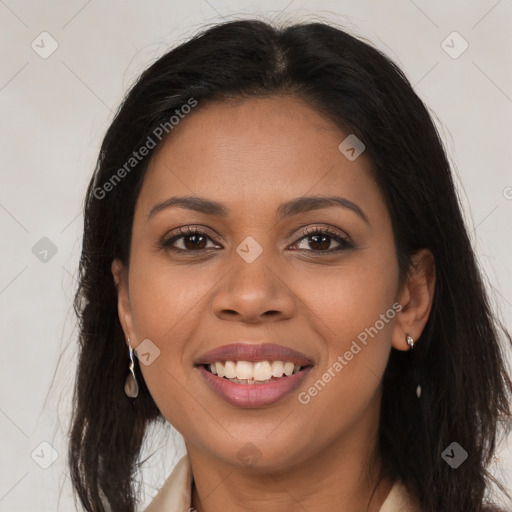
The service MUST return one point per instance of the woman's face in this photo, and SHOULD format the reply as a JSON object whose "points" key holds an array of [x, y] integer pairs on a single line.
{"points": [[262, 270]]}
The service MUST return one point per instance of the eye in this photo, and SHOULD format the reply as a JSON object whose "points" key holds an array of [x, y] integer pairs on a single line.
{"points": [[190, 239], [320, 239]]}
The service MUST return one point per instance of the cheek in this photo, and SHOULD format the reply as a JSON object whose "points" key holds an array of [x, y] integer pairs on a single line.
{"points": [[354, 313], [349, 377], [346, 300], [165, 300]]}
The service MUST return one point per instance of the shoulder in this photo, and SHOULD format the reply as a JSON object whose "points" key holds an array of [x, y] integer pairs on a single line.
{"points": [[175, 494], [400, 500]]}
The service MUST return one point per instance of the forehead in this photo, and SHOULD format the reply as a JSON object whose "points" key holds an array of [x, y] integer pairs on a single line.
{"points": [[255, 152]]}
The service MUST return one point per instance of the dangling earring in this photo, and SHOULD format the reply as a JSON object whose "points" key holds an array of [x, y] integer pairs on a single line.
{"points": [[410, 343], [131, 388]]}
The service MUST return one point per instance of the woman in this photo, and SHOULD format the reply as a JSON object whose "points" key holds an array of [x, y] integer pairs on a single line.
{"points": [[273, 230]]}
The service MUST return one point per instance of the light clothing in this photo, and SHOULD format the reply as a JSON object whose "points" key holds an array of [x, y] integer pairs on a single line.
{"points": [[176, 494]]}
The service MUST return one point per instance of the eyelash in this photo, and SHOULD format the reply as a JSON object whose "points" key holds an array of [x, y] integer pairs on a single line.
{"points": [[343, 241]]}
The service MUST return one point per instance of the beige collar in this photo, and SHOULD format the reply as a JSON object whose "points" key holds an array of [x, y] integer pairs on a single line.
{"points": [[175, 494]]}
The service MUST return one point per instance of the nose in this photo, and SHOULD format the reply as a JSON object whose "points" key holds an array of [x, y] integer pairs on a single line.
{"points": [[254, 293]]}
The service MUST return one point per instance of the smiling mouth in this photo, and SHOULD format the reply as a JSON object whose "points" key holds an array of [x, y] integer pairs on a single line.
{"points": [[258, 372]]}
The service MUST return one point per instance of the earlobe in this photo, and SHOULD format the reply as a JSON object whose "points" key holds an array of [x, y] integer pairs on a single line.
{"points": [[416, 298], [123, 300]]}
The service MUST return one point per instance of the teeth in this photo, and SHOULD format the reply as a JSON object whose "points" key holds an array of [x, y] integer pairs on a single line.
{"points": [[277, 369], [288, 368], [243, 370], [230, 370], [219, 367], [247, 373], [262, 370]]}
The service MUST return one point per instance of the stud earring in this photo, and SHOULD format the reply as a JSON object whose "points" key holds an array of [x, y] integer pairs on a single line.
{"points": [[131, 387], [410, 341]]}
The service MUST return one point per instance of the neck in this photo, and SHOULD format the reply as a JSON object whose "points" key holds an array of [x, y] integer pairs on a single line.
{"points": [[343, 476]]}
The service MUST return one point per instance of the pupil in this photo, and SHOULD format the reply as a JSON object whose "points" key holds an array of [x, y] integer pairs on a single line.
{"points": [[323, 245], [194, 241]]}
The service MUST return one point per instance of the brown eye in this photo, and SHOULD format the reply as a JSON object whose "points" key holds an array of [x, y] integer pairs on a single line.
{"points": [[193, 242], [189, 240], [321, 240]]}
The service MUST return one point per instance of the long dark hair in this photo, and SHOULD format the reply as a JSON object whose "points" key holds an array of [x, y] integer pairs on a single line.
{"points": [[457, 361]]}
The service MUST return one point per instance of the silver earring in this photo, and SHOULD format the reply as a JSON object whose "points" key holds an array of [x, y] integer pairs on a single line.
{"points": [[131, 387], [410, 343]]}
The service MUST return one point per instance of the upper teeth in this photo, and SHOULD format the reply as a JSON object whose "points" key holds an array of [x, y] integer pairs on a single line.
{"points": [[245, 370]]}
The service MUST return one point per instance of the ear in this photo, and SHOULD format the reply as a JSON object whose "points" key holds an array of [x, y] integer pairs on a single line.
{"points": [[415, 297], [124, 311]]}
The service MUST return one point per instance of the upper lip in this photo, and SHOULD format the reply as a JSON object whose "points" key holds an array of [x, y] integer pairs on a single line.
{"points": [[254, 352]]}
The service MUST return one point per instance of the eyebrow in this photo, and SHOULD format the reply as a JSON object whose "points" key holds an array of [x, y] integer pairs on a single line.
{"points": [[288, 209]]}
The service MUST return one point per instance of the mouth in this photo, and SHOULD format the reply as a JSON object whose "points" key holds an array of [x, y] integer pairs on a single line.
{"points": [[248, 375]]}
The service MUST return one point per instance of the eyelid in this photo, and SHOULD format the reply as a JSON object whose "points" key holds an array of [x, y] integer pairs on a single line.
{"points": [[190, 230], [309, 231]]}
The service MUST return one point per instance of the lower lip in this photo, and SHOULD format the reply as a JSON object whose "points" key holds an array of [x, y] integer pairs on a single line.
{"points": [[253, 395]]}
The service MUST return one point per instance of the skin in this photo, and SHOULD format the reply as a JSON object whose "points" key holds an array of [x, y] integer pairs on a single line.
{"points": [[253, 155]]}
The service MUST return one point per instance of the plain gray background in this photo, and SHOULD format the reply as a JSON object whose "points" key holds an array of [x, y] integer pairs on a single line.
{"points": [[55, 111]]}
